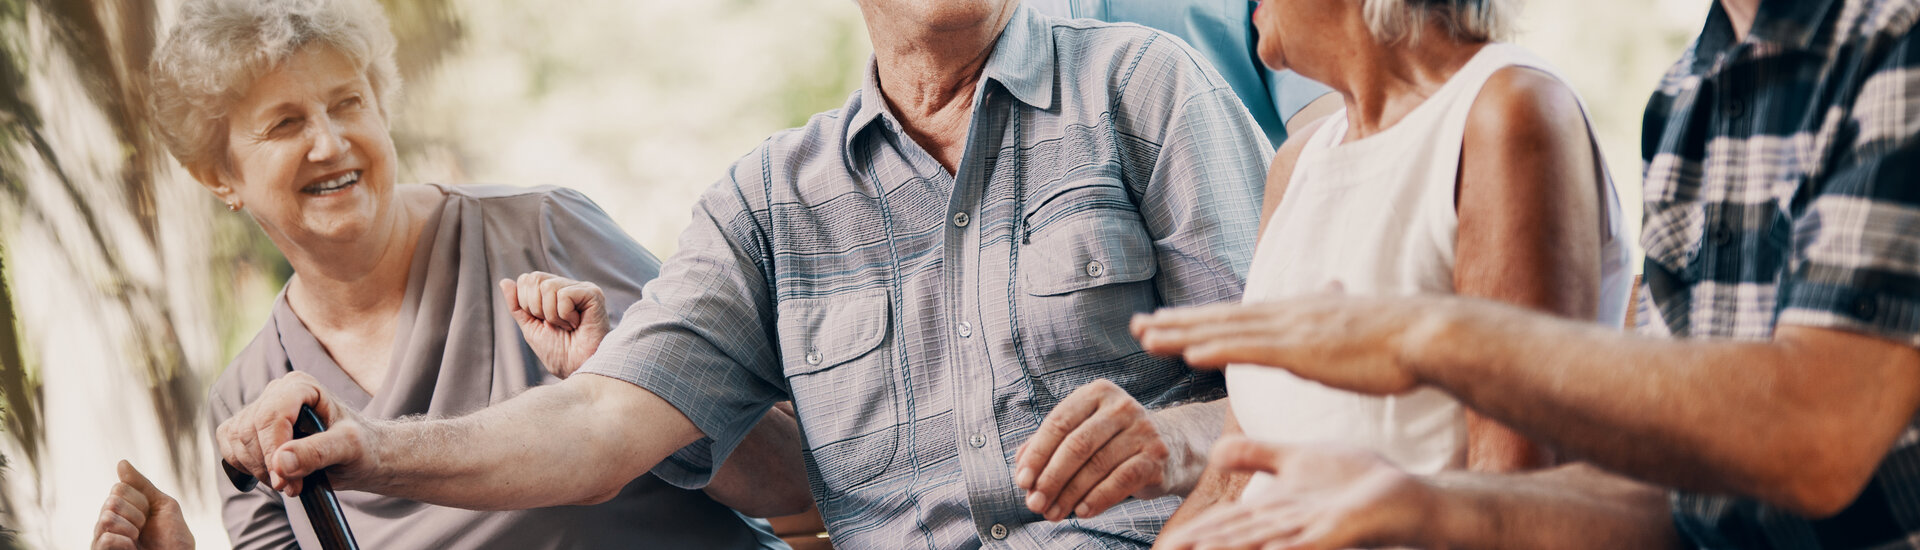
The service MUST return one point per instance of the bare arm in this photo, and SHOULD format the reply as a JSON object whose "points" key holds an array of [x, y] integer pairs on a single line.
{"points": [[1836, 402], [765, 476], [576, 442], [1800, 421], [1573, 507], [1529, 222], [1333, 496]]}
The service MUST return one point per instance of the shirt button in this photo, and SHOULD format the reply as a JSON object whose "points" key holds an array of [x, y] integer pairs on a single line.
{"points": [[977, 441], [1864, 308], [1737, 109], [959, 219], [966, 330], [998, 531], [1096, 269], [813, 356]]}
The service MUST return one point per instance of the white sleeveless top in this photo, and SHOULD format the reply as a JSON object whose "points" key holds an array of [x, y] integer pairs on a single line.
{"points": [[1377, 216]]}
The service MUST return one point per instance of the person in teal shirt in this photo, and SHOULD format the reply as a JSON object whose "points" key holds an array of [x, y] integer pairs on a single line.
{"points": [[1222, 30]]}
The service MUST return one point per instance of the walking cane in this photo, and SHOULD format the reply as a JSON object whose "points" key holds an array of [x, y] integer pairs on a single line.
{"points": [[316, 495]]}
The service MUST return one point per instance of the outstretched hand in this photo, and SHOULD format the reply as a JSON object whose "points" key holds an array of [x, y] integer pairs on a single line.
{"points": [[1355, 344], [1322, 498], [563, 320], [137, 516]]}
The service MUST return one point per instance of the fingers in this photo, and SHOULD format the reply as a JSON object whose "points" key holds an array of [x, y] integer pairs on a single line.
{"points": [[563, 303], [1240, 526], [1136, 472], [1239, 454], [550, 301], [113, 541], [267, 423], [1036, 457], [121, 516], [340, 444], [582, 303], [529, 294]]}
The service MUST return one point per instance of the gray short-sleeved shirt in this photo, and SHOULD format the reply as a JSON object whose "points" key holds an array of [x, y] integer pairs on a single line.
{"points": [[923, 322], [457, 350]]}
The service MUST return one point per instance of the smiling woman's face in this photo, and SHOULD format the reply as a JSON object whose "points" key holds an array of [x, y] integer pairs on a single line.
{"points": [[310, 154]]}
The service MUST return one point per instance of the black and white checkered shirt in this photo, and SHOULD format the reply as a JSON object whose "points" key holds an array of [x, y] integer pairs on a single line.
{"points": [[1783, 187]]}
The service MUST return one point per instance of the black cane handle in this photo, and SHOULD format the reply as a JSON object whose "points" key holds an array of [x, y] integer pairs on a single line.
{"points": [[316, 494]]}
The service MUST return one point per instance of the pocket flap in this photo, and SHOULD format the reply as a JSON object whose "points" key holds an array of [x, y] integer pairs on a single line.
{"points": [[820, 333], [1089, 250]]}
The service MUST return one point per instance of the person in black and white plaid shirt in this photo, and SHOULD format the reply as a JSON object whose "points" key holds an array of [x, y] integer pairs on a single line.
{"points": [[1775, 378]]}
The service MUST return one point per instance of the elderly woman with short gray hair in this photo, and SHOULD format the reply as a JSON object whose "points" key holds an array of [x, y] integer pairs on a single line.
{"points": [[407, 300]]}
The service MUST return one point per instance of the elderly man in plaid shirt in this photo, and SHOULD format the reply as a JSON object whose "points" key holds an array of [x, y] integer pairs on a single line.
{"points": [[1774, 380]]}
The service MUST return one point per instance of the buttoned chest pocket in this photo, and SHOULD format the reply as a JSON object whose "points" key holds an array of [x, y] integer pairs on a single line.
{"points": [[834, 354], [1086, 266]]}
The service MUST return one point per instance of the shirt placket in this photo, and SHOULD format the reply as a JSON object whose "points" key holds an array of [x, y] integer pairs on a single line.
{"points": [[990, 493]]}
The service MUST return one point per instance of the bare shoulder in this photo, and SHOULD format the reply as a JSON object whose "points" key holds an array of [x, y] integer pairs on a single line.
{"points": [[1280, 173], [1519, 105]]}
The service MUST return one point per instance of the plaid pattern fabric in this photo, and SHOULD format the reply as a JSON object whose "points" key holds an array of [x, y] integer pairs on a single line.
{"points": [[924, 324], [1781, 188]]}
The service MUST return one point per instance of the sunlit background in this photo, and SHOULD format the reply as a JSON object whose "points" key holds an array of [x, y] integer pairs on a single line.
{"points": [[127, 287]]}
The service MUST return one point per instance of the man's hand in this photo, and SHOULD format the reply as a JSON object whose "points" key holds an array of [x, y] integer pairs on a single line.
{"points": [[1321, 498], [259, 438], [563, 320], [1099, 447], [137, 516], [1355, 344]]}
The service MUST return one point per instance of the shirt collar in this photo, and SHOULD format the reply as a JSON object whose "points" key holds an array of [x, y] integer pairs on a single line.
{"points": [[1789, 24], [1022, 62]]}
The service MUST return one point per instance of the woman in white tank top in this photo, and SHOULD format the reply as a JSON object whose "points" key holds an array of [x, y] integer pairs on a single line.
{"points": [[1460, 165]]}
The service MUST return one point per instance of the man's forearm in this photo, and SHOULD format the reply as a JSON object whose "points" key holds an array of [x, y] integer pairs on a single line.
{"points": [[1571, 507], [1682, 413], [576, 442]]}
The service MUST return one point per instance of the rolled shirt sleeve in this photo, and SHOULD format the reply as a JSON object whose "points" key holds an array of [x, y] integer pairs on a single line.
{"points": [[701, 337]]}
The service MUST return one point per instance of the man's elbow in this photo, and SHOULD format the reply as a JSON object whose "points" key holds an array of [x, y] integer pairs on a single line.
{"points": [[1826, 481], [601, 497]]}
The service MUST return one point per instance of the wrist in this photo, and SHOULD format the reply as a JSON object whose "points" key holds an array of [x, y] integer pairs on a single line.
{"points": [[1189, 432], [1432, 340], [1453, 518]]}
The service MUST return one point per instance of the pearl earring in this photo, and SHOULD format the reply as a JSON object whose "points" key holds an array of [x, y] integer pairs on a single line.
{"points": [[233, 207]]}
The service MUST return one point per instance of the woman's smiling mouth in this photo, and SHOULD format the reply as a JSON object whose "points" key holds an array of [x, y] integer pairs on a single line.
{"points": [[332, 186]]}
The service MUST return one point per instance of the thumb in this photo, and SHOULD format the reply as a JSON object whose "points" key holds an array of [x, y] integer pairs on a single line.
{"points": [[133, 478], [302, 457], [1241, 454]]}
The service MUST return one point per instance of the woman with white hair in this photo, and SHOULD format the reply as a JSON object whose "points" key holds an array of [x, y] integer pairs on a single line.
{"points": [[1459, 165], [407, 300]]}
